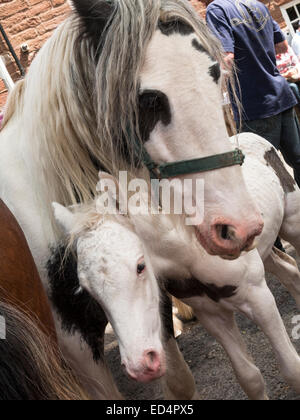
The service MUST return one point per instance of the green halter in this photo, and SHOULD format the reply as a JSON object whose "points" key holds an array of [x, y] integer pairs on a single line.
{"points": [[184, 167]]}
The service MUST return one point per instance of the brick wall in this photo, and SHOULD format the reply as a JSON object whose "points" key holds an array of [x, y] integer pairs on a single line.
{"points": [[30, 22], [274, 7], [199, 7]]}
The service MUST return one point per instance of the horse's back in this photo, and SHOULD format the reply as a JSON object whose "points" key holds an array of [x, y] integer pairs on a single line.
{"points": [[20, 283]]}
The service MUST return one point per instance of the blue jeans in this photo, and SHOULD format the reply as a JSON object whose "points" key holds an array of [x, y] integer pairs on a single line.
{"points": [[283, 131]]}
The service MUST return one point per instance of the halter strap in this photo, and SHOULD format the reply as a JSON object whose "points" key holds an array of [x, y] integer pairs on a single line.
{"points": [[184, 167]]}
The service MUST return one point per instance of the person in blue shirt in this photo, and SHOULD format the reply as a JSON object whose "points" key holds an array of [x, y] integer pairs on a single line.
{"points": [[251, 39]]}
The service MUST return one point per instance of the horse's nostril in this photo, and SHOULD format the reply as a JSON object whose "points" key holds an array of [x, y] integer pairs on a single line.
{"points": [[224, 232], [152, 361], [151, 356]]}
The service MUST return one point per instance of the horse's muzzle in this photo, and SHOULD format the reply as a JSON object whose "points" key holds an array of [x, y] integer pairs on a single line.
{"points": [[152, 366], [228, 239]]}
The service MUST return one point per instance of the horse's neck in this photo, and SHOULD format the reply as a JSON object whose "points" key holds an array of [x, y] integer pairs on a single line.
{"points": [[22, 189], [169, 242]]}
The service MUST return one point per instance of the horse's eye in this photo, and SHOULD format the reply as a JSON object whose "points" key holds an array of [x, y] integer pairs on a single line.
{"points": [[141, 268]]}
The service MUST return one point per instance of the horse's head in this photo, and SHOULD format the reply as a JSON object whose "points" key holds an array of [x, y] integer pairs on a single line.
{"points": [[181, 118], [158, 73], [114, 269]]}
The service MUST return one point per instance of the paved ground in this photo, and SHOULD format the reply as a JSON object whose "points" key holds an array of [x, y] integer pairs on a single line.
{"points": [[209, 364]]}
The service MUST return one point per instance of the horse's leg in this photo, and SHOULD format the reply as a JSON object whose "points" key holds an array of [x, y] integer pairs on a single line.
{"points": [[285, 268], [259, 305], [290, 229], [178, 383], [221, 324]]}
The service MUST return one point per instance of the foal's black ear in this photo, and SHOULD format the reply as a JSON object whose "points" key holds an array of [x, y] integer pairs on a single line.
{"points": [[94, 15]]}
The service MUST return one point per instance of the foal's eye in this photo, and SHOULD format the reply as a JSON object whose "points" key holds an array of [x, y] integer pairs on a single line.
{"points": [[141, 268]]}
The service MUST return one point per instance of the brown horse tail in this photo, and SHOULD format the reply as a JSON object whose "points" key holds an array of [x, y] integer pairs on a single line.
{"points": [[32, 367]]}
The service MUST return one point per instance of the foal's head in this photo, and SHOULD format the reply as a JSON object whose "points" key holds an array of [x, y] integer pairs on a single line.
{"points": [[114, 269]]}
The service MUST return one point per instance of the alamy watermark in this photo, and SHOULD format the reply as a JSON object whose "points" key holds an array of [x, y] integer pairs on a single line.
{"points": [[2, 328], [166, 196], [296, 329]]}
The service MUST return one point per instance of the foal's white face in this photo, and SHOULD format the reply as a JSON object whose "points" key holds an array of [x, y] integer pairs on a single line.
{"points": [[114, 269], [180, 86]]}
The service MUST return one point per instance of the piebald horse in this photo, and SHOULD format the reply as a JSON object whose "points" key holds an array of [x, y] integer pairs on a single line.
{"points": [[117, 75]]}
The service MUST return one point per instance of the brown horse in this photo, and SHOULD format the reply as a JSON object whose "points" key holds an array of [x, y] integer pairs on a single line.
{"points": [[20, 284]]}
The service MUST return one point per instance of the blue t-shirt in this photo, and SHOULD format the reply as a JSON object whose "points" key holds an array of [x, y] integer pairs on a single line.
{"points": [[246, 28]]}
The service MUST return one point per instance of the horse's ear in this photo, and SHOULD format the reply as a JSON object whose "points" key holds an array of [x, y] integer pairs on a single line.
{"points": [[94, 15], [64, 217]]}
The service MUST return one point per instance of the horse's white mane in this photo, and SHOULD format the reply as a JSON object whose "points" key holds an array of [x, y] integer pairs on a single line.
{"points": [[76, 113]]}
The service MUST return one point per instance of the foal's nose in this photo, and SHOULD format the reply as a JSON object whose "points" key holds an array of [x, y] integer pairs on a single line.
{"points": [[152, 365], [151, 361]]}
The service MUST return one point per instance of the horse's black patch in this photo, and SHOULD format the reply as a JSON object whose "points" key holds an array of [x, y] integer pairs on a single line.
{"points": [[154, 106], [94, 16], [78, 312], [286, 180], [196, 44], [215, 72], [192, 287], [175, 27]]}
